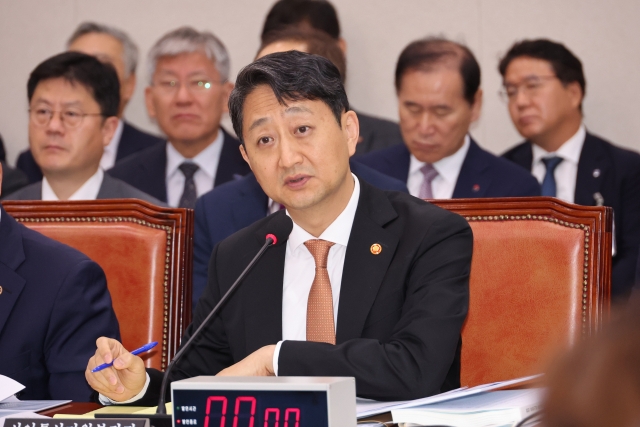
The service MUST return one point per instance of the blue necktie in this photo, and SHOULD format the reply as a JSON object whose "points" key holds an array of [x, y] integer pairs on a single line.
{"points": [[549, 181]]}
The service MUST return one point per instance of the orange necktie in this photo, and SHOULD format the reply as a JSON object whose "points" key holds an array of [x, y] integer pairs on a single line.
{"points": [[320, 325]]}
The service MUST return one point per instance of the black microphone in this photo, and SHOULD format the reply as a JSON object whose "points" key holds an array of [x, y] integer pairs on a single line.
{"points": [[280, 226]]}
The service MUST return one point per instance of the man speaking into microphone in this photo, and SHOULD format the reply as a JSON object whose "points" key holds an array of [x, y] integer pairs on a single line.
{"points": [[369, 284]]}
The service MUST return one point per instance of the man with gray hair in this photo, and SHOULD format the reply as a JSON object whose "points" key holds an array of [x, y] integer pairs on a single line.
{"points": [[187, 95], [113, 46]]}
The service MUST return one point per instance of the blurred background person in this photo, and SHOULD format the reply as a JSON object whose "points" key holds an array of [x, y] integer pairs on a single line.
{"points": [[115, 47], [14, 179], [544, 85], [187, 95], [439, 97]]}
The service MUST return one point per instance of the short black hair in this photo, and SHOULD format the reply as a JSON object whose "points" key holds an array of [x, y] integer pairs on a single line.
{"points": [[427, 53], [319, 14], [292, 76], [566, 66], [317, 43], [100, 79]]}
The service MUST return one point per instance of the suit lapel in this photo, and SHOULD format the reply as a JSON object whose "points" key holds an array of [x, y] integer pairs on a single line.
{"points": [[262, 294], [472, 182], [251, 205], [593, 166], [155, 167], [523, 156], [11, 256], [363, 271]]}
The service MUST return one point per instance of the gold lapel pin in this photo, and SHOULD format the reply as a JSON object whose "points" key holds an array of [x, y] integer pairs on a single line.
{"points": [[376, 249]]}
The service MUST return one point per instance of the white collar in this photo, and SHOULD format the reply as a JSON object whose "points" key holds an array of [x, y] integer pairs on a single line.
{"points": [[569, 151], [339, 230], [88, 191], [449, 167], [207, 159]]}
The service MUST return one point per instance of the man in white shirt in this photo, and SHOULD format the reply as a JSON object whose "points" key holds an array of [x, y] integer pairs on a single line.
{"points": [[187, 95], [114, 47], [439, 97], [544, 86], [370, 284], [73, 102]]}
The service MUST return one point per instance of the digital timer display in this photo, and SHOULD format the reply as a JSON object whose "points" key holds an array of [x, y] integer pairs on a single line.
{"points": [[241, 408]]}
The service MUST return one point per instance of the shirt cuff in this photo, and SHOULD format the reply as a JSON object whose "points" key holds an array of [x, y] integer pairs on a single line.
{"points": [[276, 354], [104, 400]]}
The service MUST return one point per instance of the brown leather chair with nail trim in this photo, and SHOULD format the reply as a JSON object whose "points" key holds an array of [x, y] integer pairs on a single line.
{"points": [[540, 281], [146, 254]]}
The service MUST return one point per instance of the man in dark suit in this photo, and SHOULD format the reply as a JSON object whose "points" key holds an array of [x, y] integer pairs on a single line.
{"points": [[544, 84], [54, 304], [391, 271], [187, 95], [321, 16], [115, 47], [73, 100], [439, 96], [238, 204]]}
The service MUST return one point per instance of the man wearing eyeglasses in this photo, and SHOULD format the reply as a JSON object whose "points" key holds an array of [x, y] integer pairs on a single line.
{"points": [[187, 94], [73, 106], [439, 97], [544, 86]]}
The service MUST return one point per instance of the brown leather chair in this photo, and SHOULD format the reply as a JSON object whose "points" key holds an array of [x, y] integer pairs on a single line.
{"points": [[146, 254], [540, 278]]}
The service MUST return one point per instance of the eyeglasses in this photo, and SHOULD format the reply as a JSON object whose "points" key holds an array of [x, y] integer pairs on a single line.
{"points": [[70, 118], [194, 86], [530, 87]]}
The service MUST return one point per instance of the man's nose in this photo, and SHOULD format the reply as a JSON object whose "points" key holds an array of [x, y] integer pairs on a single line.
{"points": [[183, 95], [56, 124], [425, 123], [289, 152]]}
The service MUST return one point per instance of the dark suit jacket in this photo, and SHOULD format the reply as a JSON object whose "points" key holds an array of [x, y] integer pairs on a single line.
{"points": [[12, 180], [618, 182], [400, 312], [146, 170], [376, 133], [131, 141], [111, 188], [238, 204], [482, 174], [53, 307]]}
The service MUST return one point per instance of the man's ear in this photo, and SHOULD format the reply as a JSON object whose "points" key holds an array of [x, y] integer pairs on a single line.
{"points": [[128, 86], [476, 108], [148, 100], [245, 156], [351, 129], [109, 129], [227, 87], [575, 94], [342, 44], [0, 178]]}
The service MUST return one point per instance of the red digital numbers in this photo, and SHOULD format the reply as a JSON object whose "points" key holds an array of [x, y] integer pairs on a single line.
{"points": [[271, 415]]}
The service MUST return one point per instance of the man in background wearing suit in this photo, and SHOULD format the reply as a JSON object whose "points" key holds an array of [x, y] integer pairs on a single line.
{"points": [[320, 15], [544, 85], [54, 304], [115, 47], [73, 102], [14, 179], [187, 94], [439, 97], [238, 204], [370, 284]]}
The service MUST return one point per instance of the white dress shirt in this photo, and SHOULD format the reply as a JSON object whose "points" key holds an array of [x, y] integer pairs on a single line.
{"points": [[299, 271], [207, 160], [566, 173], [111, 151], [88, 191], [448, 169]]}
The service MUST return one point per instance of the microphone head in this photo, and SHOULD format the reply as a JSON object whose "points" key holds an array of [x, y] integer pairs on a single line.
{"points": [[280, 227]]}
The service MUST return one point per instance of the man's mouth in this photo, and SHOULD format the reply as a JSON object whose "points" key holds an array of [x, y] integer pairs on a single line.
{"points": [[296, 181]]}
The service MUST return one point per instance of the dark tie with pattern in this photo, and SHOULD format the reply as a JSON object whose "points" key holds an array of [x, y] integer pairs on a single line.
{"points": [[549, 181], [430, 173], [320, 326], [189, 194]]}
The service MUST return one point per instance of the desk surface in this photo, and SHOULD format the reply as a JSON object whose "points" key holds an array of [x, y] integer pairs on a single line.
{"points": [[74, 408]]}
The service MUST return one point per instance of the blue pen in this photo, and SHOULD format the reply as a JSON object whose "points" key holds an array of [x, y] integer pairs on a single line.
{"points": [[135, 352]]}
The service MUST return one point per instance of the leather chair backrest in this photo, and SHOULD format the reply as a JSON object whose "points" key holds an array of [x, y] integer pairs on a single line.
{"points": [[540, 278], [146, 254]]}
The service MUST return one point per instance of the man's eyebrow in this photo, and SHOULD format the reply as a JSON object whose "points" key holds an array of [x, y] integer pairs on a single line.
{"points": [[297, 109], [258, 122]]}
